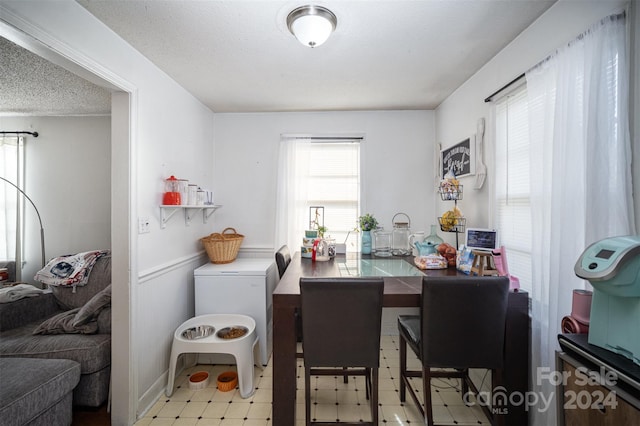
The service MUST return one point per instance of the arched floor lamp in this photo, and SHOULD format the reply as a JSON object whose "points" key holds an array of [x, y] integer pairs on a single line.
{"points": [[39, 220]]}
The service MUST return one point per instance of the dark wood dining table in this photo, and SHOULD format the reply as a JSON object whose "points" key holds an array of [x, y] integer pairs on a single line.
{"points": [[402, 288]]}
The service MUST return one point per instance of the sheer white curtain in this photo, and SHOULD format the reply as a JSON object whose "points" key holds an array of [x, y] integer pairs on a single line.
{"points": [[11, 157], [293, 181], [580, 174]]}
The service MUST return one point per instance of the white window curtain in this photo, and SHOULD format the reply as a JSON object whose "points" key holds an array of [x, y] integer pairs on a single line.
{"points": [[291, 184], [317, 172], [580, 174], [11, 203]]}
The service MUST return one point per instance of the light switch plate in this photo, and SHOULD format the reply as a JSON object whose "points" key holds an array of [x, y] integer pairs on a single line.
{"points": [[144, 226]]}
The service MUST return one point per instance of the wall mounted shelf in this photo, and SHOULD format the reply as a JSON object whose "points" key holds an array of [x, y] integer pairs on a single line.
{"points": [[167, 212]]}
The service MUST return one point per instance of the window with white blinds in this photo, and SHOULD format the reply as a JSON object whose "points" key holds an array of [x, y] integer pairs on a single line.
{"points": [[334, 183], [512, 193]]}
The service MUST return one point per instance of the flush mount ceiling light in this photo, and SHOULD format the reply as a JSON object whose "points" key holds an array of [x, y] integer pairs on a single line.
{"points": [[312, 25]]}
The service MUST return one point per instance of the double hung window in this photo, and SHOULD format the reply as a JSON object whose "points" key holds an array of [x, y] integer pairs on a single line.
{"points": [[512, 196], [318, 175]]}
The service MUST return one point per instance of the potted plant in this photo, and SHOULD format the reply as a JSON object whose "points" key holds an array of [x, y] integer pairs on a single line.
{"points": [[367, 224]]}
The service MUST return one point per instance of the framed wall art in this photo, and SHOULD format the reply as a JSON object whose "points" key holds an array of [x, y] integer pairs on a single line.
{"points": [[460, 158]]}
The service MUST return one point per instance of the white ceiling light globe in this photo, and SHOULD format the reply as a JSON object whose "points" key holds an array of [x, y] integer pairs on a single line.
{"points": [[311, 25]]}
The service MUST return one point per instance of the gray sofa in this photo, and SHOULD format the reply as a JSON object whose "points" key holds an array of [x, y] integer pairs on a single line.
{"points": [[37, 392], [19, 320]]}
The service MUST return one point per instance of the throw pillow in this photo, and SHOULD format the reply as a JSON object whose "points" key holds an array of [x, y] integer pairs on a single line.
{"points": [[63, 324], [91, 309]]}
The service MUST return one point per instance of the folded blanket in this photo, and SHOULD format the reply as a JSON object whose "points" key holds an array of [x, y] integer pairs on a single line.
{"points": [[70, 269], [17, 292]]}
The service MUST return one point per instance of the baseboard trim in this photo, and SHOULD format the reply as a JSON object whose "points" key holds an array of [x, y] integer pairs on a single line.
{"points": [[152, 395], [157, 390]]}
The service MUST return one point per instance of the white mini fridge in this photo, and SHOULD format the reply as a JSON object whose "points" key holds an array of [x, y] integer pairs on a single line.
{"points": [[244, 286]]}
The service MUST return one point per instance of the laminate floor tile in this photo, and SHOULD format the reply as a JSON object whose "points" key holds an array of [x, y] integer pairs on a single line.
{"points": [[332, 399]]}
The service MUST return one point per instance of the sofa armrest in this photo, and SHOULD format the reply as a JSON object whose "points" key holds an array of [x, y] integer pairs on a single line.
{"points": [[29, 309], [104, 321]]}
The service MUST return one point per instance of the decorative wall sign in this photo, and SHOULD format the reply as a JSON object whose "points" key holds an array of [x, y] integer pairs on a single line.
{"points": [[460, 158]]}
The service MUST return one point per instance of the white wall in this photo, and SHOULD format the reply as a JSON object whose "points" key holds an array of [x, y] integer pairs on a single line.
{"points": [[68, 176], [171, 133], [456, 117], [396, 170], [397, 164]]}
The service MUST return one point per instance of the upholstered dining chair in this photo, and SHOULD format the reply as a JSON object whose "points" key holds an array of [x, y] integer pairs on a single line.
{"points": [[283, 259], [341, 326], [461, 325]]}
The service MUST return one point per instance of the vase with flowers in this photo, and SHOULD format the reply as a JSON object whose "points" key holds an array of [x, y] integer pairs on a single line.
{"points": [[367, 223]]}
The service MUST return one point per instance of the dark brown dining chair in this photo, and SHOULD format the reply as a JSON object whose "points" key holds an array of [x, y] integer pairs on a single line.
{"points": [[341, 326], [283, 259], [461, 325]]}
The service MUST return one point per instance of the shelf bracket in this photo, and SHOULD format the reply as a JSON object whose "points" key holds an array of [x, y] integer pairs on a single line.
{"points": [[165, 214], [189, 213], [208, 211]]}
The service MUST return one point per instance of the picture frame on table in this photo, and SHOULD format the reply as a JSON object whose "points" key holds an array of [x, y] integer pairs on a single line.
{"points": [[461, 158]]}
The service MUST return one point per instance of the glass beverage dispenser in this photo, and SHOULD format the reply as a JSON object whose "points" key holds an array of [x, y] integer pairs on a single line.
{"points": [[400, 236]]}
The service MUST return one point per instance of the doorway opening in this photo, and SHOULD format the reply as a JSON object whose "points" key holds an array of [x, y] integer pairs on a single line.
{"points": [[123, 399]]}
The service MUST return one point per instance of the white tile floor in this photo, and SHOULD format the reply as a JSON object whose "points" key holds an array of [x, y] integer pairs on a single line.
{"points": [[332, 399]]}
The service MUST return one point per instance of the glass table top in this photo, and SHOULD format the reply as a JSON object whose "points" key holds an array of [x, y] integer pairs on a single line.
{"points": [[376, 268]]}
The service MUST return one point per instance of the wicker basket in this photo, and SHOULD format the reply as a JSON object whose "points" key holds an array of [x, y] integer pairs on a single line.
{"points": [[223, 248]]}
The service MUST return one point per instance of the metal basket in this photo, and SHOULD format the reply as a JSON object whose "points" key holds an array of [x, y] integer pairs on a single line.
{"points": [[452, 193], [452, 225]]}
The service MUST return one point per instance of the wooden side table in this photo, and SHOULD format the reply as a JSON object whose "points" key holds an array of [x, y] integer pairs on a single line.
{"points": [[483, 264]]}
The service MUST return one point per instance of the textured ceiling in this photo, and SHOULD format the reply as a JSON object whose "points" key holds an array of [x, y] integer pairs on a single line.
{"points": [[31, 85], [238, 56]]}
